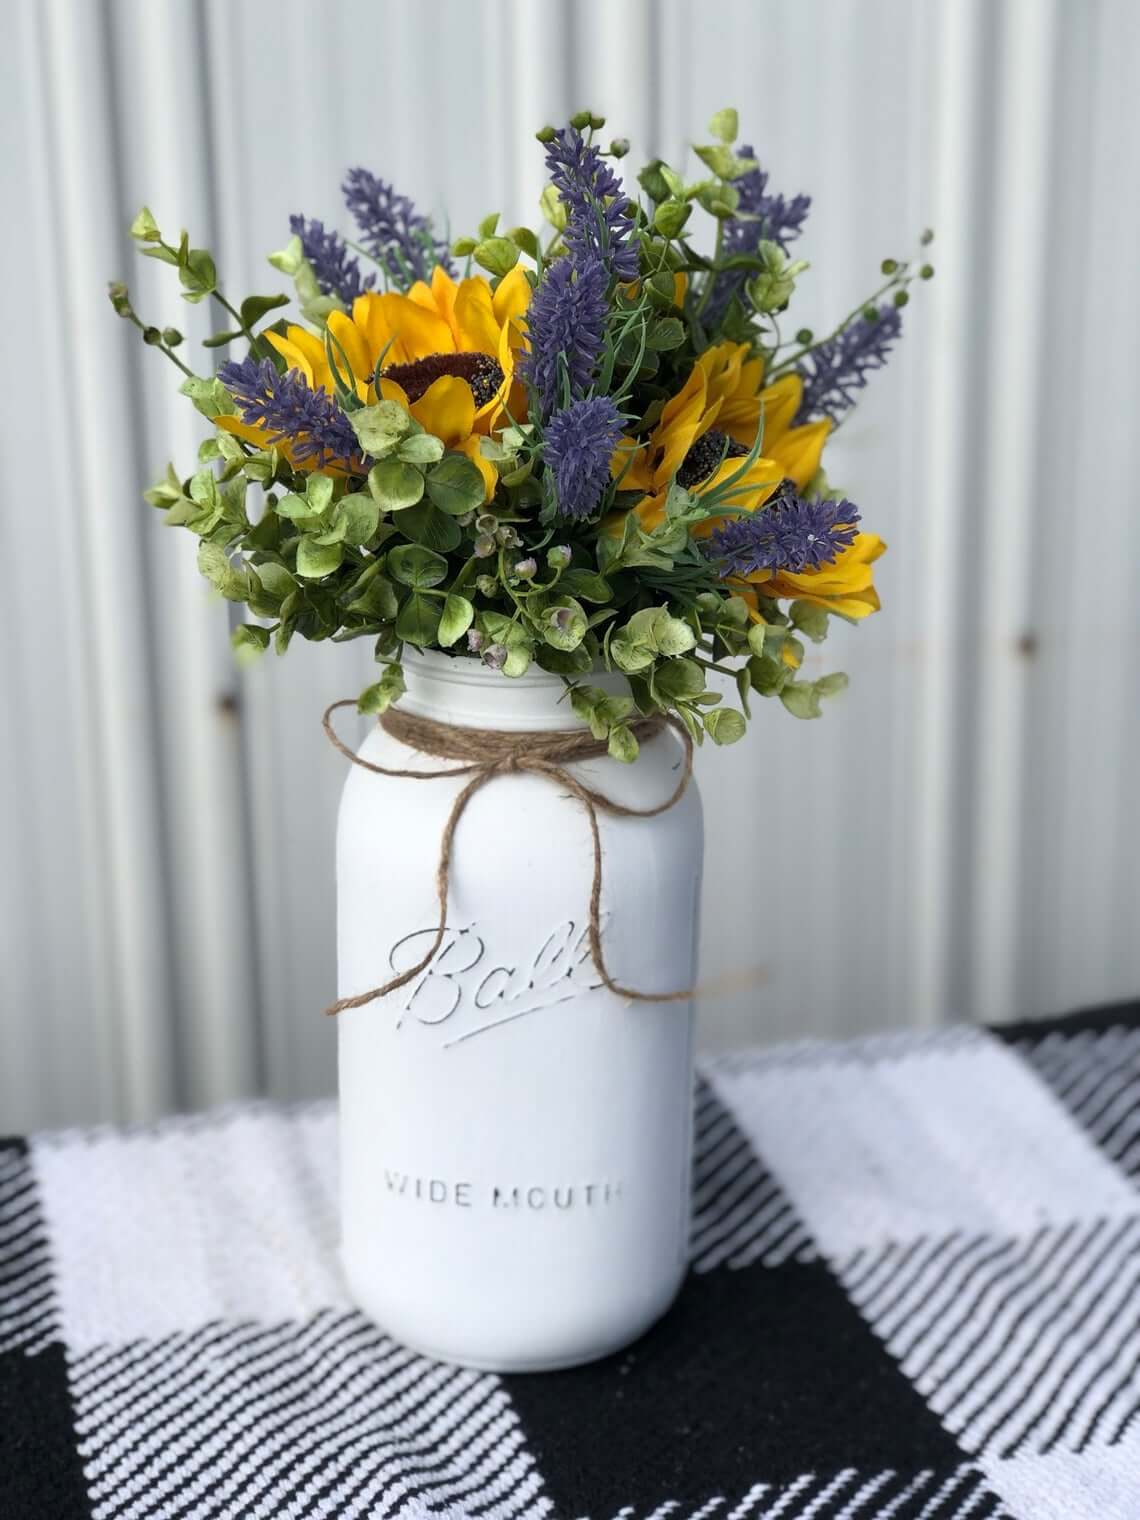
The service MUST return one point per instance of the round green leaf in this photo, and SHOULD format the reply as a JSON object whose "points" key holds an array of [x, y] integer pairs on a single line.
{"points": [[421, 449], [379, 428], [456, 485], [394, 485], [725, 725], [418, 619], [317, 560], [413, 565], [356, 517], [458, 614], [426, 524]]}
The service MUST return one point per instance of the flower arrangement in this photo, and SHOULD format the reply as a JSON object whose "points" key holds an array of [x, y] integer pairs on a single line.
{"points": [[596, 448]]}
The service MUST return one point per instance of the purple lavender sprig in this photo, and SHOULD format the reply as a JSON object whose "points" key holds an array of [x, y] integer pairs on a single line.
{"points": [[839, 366], [392, 230], [566, 324], [337, 272], [578, 444], [788, 533], [308, 420], [760, 217], [598, 226]]}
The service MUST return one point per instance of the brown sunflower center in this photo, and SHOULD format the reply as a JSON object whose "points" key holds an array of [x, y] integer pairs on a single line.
{"points": [[482, 373], [705, 455]]}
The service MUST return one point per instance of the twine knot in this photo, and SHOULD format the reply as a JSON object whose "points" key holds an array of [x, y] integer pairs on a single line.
{"points": [[487, 753]]}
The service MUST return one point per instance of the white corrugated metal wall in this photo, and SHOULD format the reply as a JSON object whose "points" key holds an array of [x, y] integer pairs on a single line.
{"points": [[958, 838]]}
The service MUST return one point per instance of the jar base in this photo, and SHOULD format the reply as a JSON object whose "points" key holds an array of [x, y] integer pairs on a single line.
{"points": [[513, 1364]]}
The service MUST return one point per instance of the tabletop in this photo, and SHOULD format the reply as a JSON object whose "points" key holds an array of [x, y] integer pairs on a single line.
{"points": [[913, 1296]]}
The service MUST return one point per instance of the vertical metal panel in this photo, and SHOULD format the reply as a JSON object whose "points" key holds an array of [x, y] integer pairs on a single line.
{"points": [[958, 837]]}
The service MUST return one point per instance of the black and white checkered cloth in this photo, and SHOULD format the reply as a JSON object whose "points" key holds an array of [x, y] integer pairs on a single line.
{"points": [[914, 1296]]}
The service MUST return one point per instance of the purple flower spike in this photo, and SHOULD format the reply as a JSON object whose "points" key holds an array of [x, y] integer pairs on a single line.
{"points": [[566, 323], [788, 533], [579, 444], [596, 205], [337, 272], [310, 421], [839, 367], [392, 229], [760, 217]]}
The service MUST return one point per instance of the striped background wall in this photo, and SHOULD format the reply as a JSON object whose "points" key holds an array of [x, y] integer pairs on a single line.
{"points": [[958, 838]]}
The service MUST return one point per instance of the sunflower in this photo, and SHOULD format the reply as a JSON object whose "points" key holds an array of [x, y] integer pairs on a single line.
{"points": [[710, 424], [449, 350], [703, 433], [845, 586]]}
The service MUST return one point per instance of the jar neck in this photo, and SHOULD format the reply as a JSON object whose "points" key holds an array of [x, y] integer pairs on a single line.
{"points": [[466, 693]]}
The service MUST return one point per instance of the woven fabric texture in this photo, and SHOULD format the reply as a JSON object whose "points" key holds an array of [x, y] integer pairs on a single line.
{"points": [[914, 1296]]}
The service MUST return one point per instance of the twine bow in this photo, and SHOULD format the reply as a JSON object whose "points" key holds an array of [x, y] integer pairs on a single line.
{"points": [[487, 753]]}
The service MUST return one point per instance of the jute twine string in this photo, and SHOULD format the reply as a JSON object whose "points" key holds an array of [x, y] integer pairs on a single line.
{"points": [[487, 753]]}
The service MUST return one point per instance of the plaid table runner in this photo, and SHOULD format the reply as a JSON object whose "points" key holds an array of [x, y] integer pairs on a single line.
{"points": [[914, 1296]]}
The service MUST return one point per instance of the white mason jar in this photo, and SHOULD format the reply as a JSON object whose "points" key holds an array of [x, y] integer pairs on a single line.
{"points": [[515, 1139]]}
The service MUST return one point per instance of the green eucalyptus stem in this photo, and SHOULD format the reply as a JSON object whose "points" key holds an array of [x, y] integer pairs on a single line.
{"points": [[721, 670], [711, 281], [247, 332], [163, 348]]}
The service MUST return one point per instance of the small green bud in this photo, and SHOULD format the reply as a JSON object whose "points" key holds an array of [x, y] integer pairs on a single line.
{"points": [[888, 266], [526, 569], [870, 313], [581, 120], [144, 228], [927, 237], [487, 585], [597, 122], [152, 335], [120, 298], [559, 557], [804, 336], [926, 272], [619, 147], [171, 337], [901, 298], [546, 134]]}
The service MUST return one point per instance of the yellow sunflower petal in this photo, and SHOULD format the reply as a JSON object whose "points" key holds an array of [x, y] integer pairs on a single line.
{"points": [[476, 330], [512, 297], [631, 464], [356, 350], [781, 402], [443, 291], [470, 447], [415, 331], [446, 410], [799, 451], [300, 356], [684, 419], [390, 390]]}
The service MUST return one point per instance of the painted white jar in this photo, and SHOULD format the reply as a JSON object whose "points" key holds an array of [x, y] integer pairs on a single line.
{"points": [[515, 1139]]}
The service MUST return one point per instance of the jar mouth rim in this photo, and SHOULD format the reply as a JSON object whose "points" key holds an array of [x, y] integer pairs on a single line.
{"points": [[470, 670]]}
